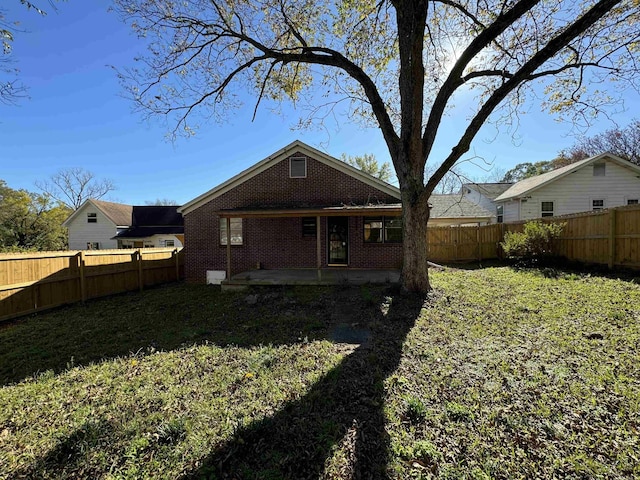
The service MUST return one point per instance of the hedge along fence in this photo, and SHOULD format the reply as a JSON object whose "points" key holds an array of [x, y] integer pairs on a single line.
{"points": [[33, 282], [608, 237]]}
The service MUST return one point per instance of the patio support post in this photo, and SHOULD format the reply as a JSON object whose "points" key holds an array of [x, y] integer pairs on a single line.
{"points": [[318, 248], [228, 219]]}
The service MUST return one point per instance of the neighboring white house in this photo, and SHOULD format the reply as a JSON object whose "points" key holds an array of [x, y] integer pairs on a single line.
{"points": [[100, 225], [484, 194], [94, 225], [595, 183]]}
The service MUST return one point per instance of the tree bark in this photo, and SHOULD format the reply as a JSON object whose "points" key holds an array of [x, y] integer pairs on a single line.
{"points": [[415, 267]]}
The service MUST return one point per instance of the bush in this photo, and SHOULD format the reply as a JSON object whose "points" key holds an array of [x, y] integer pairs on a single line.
{"points": [[534, 242]]}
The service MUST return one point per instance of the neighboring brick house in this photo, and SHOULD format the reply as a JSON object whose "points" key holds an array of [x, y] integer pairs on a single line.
{"points": [[297, 208], [301, 208]]}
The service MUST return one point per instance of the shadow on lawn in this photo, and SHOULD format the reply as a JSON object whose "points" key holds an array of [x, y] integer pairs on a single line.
{"points": [[171, 317], [341, 413]]}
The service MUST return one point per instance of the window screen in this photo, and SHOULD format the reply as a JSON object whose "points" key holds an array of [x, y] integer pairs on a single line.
{"points": [[599, 169]]}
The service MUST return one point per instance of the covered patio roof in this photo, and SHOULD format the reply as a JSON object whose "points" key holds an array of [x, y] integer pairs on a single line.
{"points": [[312, 211]]}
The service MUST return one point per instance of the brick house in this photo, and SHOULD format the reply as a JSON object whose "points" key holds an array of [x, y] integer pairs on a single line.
{"points": [[297, 208]]}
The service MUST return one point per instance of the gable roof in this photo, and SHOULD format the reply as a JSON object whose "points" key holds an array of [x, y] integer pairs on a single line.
{"points": [[455, 206], [528, 185], [118, 213], [490, 190], [283, 153]]}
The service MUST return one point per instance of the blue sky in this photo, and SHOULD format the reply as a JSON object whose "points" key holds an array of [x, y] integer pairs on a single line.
{"points": [[76, 116]]}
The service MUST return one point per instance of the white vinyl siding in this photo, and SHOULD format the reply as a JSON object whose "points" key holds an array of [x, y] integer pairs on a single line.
{"points": [[574, 192], [511, 211], [82, 233]]}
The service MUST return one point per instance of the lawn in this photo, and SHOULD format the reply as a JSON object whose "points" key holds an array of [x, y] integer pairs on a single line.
{"points": [[499, 373]]}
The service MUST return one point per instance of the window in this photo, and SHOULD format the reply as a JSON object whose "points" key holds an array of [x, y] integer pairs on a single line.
{"points": [[547, 209], [93, 245], [309, 227], [597, 205], [167, 243], [500, 213], [383, 229], [599, 169], [373, 230], [236, 231], [632, 201], [393, 229], [298, 167], [92, 218]]}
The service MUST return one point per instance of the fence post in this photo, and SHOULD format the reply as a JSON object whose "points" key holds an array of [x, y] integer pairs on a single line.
{"points": [[478, 242], [612, 238], [83, 280], [175, 254], [138, 257]]}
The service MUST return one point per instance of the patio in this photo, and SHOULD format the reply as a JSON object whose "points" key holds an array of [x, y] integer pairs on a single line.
{"points": [[311, 276]]}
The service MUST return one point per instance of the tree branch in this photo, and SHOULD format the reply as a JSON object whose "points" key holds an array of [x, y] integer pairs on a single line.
{"points": [[560, 41]]}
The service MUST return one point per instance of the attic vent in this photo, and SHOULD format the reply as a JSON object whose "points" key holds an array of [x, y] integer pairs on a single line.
{"points": [[298, 167], [599, 169]]}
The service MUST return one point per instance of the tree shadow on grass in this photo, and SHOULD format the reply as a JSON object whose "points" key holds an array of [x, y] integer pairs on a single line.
{"points": [[159, 319], [337, 430], [66, 459]]}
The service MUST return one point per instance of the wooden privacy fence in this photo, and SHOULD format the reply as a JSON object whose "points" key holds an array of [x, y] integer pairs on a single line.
{"points": [[37, 281], [609, 237]]}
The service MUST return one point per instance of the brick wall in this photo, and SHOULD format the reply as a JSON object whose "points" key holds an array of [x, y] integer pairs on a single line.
{"points": [[278, 242]]}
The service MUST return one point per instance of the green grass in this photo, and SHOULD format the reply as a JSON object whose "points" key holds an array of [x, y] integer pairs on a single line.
{"points": [[499, 374]]}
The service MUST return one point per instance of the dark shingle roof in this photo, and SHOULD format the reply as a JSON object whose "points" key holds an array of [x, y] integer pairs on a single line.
{"points": [[155, 216]]}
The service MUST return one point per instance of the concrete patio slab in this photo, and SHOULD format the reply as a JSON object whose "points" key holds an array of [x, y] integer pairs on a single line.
{"points": [[311, 276]]}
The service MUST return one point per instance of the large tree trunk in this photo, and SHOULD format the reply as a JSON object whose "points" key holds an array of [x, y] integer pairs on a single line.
{"points": [[415, 267]]}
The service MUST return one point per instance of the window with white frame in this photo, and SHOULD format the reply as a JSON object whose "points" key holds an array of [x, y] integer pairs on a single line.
{"points": [[597, 204], [599, 169], [546, 209], [298, 167], [500, 213], [92, 218], [632, 201], [93, 245], [167, 243], [236, 231]]}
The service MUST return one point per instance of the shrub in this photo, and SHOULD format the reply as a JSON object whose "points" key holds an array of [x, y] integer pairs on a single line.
{"points": [[534, 242]]}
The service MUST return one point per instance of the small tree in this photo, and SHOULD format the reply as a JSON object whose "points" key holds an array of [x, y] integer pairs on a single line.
{"points": [[368, 164]]}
